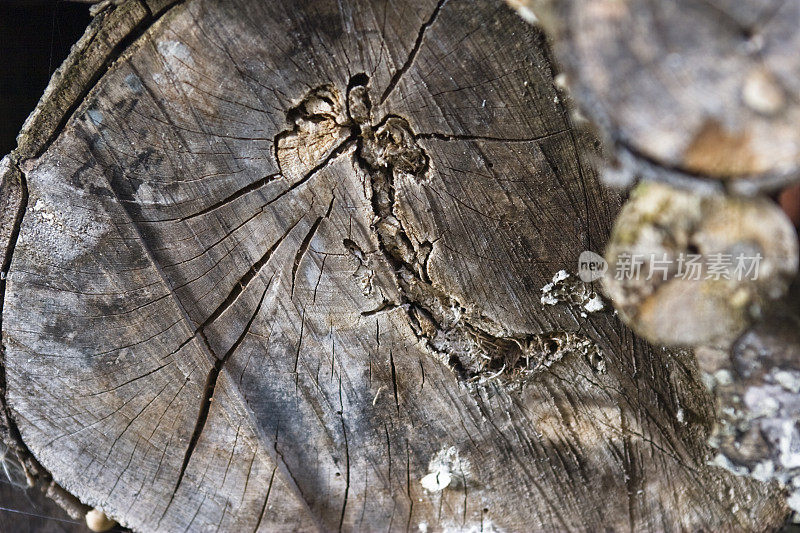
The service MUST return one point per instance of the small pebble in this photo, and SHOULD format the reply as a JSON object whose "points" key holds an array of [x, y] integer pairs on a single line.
{"points": [[436, 481], [98, 521], [762, 93]]}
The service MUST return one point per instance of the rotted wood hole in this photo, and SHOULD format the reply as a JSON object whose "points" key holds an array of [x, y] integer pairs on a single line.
{"points": [[311, 265]]}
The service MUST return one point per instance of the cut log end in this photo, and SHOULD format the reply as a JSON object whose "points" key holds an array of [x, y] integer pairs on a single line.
{"points": [[280, 266]]}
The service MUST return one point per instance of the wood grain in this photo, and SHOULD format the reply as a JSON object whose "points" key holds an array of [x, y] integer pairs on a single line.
{"points": [[261, 263]]}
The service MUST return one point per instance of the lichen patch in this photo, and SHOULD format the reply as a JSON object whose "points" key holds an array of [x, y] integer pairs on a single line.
{"points": [[565, 288], [446, 469]]}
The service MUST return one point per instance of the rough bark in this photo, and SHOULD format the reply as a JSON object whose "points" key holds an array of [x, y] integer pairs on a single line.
{"points": [[281, 267]]}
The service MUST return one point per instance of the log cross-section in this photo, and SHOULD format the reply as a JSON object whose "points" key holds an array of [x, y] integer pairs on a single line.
{"points": [[279, 266]]}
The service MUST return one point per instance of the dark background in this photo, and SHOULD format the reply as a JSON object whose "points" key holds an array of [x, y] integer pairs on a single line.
{"points": [[35, 37]]}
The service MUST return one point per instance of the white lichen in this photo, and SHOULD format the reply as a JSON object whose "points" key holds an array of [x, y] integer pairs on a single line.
{"points": [[566, 289], [445, 468], [594, 304]]}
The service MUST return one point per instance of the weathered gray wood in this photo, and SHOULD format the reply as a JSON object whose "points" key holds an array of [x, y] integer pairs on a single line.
{"points": [[285, 261]]}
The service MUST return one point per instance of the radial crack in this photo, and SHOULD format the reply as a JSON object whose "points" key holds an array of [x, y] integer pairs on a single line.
{"points": [[455, 137], [245, 280], [208, 394], [413, 54], [306, 243], [234, 196]]}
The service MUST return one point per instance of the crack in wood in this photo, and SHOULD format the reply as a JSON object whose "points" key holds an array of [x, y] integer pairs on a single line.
{"points": [[487, 138], [297, 352], [208, 397], [116, 52], [394, 380], [137, 378], [346, 463], [245, 280], [266, 499], [306, 243], [459, 337], [383, 308], [258, 184], [334, 154], [414, 50]]}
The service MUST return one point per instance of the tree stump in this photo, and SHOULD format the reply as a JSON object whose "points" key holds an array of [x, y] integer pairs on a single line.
{"points": [[280, 266]]}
